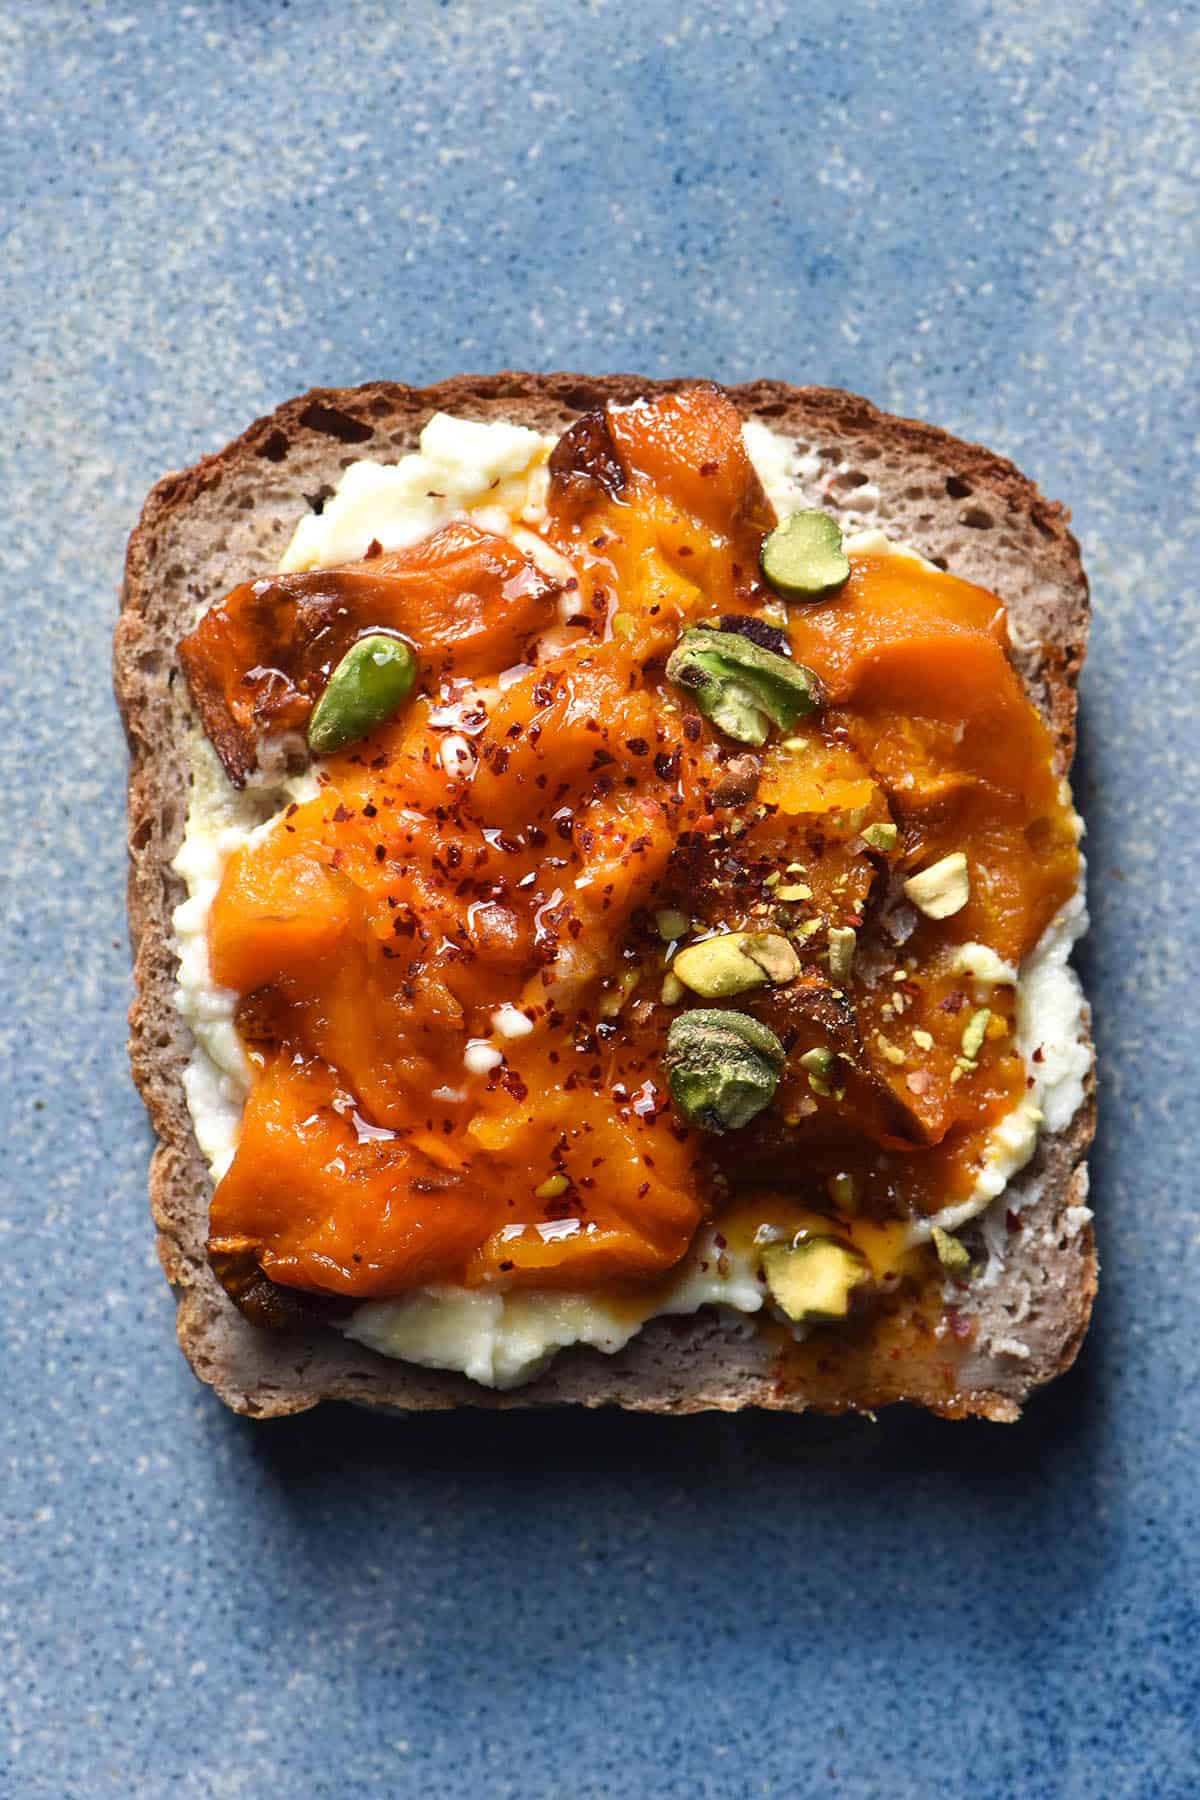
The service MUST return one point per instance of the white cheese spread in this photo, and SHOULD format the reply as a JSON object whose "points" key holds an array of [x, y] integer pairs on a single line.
{"points": [[496, 472], [461, 465]]}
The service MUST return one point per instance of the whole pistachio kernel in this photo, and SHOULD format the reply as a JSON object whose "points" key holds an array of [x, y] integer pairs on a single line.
{"points": [[803, 558], [723, 1067], [742, 687], [372, 680], [733, 961]]}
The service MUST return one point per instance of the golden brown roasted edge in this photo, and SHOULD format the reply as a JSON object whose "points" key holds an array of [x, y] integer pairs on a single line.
{"points": [[204, 528]]}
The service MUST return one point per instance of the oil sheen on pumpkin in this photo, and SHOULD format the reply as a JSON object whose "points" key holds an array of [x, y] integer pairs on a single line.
{"points": [[449, 962]]}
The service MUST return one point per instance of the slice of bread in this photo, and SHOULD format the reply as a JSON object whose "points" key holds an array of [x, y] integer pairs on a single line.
{"points": [[230, 516]]}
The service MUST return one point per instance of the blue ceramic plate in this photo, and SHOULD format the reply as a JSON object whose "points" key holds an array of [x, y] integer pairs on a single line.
{"points": [[974, 213]]}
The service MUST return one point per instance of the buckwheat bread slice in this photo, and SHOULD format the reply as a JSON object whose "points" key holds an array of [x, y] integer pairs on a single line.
{"points": [[206, 529]]}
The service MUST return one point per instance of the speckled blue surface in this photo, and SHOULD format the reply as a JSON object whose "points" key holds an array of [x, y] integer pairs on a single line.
{"points": [[972, 212]]}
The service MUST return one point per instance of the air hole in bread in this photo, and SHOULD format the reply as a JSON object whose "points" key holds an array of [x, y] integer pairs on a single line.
{"points": [[853, 478], [274, 446], [332, 422], [141, 835], [1043, 525], [149, 662], [379, 407], [957, 488], [324, 492], [245, 502], [913, 493], [580, 399], [977, 518], [939, 562]]}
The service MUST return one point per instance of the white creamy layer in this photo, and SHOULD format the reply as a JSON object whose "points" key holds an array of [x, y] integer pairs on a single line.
{"points": [[496, 473], [502, 1340]]}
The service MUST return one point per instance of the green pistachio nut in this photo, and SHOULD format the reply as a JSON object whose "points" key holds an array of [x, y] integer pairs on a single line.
{"points": [[813, 1278], [372, 680], [954, 1256], [882, 837], [733, 961], [723, 1067], [843, 941], [974, 1033], [803, 558], [743, 688]]}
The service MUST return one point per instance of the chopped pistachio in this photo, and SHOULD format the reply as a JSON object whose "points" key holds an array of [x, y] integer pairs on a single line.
{"points": [[942, 889], [743, 688], [922, 1039], [671, 923], [820, 1061], [974, 1033], [673, 990], [881, 837], [892, 1052], [551, 1188], [734, 961], [954, 1257], [814, 1277], [624, 625], [803, 558], [723, 1067], [808, 929], [773, 879], [843, 941], [795, 891], [795, 868]]}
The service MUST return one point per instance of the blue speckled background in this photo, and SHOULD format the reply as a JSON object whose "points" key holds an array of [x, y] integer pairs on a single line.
{"points": [[973, 212]]}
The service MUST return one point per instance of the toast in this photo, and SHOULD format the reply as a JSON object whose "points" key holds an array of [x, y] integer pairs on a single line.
{"points": [[203, 530]]}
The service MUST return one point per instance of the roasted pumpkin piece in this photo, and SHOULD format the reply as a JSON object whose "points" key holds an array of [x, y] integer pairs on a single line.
{"points": [[258, 661]]}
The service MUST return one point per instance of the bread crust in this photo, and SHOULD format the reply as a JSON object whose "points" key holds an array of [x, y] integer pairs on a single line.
{"points": [[205, 528]]}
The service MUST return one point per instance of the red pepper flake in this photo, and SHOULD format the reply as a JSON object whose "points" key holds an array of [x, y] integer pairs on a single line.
{"points": [[374, 548], [340, 815], [692, 728], [709, 468], [961, 1327], [369, 810], [1011, 1221], [1039, 1055], [380, 852]]}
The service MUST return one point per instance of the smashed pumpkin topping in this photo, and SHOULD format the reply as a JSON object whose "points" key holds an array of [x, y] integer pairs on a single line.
{"points": [[634, 894]]}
